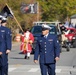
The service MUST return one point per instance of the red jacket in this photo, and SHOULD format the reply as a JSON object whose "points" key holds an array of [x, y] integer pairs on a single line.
{"points": [[27, 40]]}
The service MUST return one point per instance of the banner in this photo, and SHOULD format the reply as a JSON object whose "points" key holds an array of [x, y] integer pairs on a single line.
{"points": [[29, 8]]}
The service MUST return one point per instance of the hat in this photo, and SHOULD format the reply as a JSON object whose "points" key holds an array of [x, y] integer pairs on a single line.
{"points": [[0, 17], [45, 27], [4, 19]]}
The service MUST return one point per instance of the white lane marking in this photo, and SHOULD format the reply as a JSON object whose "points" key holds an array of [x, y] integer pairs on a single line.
{"points": [[11, 69], [33, 70], [36, 69], [58, 70]]}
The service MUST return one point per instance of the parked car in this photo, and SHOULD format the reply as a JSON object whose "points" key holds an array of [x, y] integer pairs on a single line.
{"points": [[37, 32]]}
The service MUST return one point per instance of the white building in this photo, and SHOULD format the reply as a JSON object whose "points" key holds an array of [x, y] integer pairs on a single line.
{"points": [[73, 19]]}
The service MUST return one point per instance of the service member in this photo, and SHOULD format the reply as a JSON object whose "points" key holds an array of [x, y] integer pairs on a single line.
{"points": [[48, 50], [5, 47]]}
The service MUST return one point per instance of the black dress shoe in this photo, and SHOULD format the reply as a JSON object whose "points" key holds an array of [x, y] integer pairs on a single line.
{"points": [[25, 57]]}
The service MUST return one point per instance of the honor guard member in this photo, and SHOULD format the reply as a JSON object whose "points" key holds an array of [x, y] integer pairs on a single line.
{"points": [[49, 50], [5, 47]]}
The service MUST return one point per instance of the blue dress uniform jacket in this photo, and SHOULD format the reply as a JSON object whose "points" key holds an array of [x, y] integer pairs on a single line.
{"points": [[48, 49], [5, 44]]}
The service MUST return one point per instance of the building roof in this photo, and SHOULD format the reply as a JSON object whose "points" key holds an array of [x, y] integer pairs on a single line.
{"points": [[73, 16]]}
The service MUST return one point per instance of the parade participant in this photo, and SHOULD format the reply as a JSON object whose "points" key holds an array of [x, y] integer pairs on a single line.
{"points": [[62, 27], [27, 41], [5, 47], [48, 49]]}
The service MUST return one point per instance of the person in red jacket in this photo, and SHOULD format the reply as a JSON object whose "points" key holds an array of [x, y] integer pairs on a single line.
{"points": [[27, 40]]}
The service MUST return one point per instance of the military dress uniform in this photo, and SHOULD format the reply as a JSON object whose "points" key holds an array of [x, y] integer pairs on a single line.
{"points": [[48, 49], [5, 44]]}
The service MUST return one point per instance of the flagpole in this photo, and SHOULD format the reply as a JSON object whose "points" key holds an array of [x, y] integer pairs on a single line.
{"points": [[37, 11], [16, 19], [18, 23]]}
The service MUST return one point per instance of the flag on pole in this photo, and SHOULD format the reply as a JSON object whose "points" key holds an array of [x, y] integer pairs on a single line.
{"points": [[7, 12]]}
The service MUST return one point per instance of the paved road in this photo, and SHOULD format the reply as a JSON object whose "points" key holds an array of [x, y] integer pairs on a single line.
{"points": [[18, 65], [34, 70]]}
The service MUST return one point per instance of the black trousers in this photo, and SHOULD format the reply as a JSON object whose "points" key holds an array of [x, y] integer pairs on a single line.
{"points": [[4, 70], [47, 68]]}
